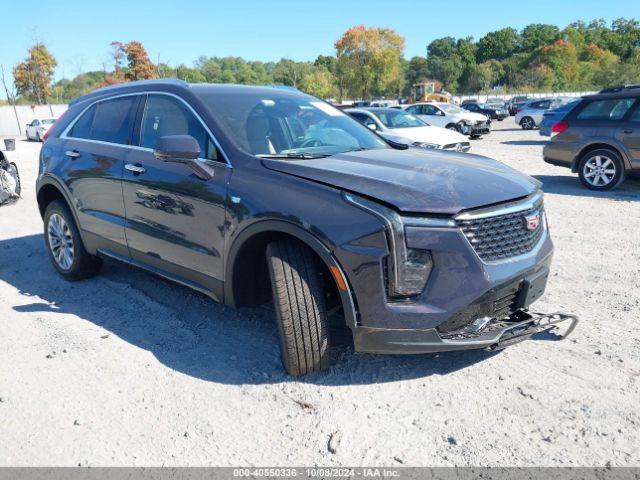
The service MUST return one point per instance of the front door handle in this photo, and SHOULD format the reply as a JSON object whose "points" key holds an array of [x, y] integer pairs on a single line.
{"points": [[627, 131], [72, 153], [136, 169]]}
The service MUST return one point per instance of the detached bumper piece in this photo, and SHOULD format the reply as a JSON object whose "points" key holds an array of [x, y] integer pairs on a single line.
{"points": [[493, 335], [480, 128]]}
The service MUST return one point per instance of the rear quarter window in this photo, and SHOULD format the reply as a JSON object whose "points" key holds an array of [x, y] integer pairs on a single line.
{"points": [[606, 109]]}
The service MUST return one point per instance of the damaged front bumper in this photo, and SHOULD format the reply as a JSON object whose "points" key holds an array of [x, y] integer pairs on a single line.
{"points": [[494, 335]]}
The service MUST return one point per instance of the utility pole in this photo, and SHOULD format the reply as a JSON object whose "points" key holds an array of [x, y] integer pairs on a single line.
{"points": [[11, 101]]}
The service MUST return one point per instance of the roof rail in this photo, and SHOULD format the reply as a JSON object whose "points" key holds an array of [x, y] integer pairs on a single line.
{"points": [[283, 87], [118, 86], [619, 88]]}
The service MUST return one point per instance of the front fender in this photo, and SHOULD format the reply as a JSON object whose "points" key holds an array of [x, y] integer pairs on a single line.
{"points": [[289, 228]]}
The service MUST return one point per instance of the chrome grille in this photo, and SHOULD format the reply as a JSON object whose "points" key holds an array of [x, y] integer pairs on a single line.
{"points": [[502, 236]]}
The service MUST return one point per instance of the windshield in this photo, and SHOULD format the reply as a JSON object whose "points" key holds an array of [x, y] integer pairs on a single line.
{"points": [[399, 119], [284, 125], [48, 121], [447, 107]]}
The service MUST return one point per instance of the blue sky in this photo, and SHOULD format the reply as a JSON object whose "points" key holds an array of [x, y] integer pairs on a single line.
{"points": [[79, 32]]}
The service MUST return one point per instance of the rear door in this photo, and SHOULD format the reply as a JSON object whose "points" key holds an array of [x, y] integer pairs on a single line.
{"points": [[628, 133], [538, 108], [176, 220], [97, 144]]}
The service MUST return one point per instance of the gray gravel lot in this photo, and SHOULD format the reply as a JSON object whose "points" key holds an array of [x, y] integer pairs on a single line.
{"points": [[128, 369]]}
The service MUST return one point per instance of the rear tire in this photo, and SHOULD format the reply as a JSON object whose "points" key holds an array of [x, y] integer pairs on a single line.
{"points": [[300, 307], [527, 123], [601, 169], [64, 245]]}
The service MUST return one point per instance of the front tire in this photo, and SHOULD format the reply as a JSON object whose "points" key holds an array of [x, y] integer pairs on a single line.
{"points": [[300, 307], [64, 245], [527, 123], [601, 169]]}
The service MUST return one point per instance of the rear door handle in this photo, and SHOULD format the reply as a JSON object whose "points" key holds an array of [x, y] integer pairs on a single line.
{"points": [[136, 169], [72, 153], [627, 131]]}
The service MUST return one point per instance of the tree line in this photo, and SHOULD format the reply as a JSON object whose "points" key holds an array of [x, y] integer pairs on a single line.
{"points": [[369, 62]]}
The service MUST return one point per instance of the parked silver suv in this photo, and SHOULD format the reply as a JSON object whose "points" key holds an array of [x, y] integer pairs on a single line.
{"points": [[599, 139]]}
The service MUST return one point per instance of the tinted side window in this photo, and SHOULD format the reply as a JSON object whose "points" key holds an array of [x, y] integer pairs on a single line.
{"points": [[612, 109], [82, 128], [540, 104], [361, 117], [113, 120], [365, 119], [108, 121], [635, 116], [164, 115], [429, 110], [416, 110]]}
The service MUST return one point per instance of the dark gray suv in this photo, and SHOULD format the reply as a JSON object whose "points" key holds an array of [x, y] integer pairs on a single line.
{"points": [[599, 139], [253, 194]]}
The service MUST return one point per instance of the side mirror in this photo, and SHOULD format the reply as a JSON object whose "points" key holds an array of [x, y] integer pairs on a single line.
{"points": [[182, 149], [372, 126]]}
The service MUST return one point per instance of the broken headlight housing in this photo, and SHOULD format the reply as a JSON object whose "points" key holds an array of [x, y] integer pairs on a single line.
{"points": [[408, 269]]}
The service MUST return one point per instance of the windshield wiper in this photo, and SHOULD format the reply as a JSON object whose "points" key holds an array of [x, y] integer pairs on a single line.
{"points": [[296, 155]]}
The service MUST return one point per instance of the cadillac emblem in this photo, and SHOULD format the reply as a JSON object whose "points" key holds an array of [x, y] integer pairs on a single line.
{"points": [[532, 221]]}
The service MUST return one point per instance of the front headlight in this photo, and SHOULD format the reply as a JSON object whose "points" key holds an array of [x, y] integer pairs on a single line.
{"points": [[429, 146], [408, 269]]}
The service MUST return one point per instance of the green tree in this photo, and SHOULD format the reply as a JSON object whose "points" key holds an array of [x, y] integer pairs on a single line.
{"points": [[369, 60], [561, 58], [538, 35], [416, 70], [288, 72], [319, 82], [442, 47], [188, 74], [498, 45], [33, 77], [485, 76], [447, 70]]}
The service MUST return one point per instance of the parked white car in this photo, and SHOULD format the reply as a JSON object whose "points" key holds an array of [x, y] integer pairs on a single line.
{"points": [[530, 115], [38, 127], [452, 117], [402, 127]]}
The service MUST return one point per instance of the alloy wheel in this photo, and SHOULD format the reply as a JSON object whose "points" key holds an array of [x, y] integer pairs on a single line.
{"points": [[599, 171], [60, 241], [527, 123]]}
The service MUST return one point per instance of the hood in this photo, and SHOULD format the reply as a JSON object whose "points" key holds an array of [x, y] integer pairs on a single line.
{"points": [[438, 135], [472, 116], [415, 181]]}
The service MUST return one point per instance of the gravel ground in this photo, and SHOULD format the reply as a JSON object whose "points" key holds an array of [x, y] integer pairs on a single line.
{"points": [[127, 369]]}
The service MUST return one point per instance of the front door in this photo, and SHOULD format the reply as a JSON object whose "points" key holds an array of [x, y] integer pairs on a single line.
{"points": [[175, 220]]}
